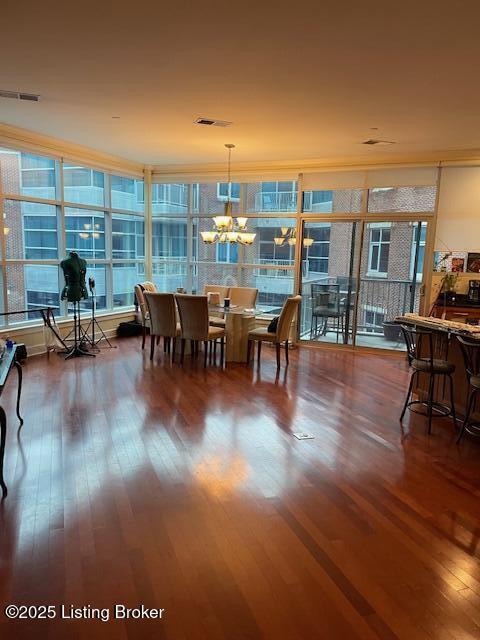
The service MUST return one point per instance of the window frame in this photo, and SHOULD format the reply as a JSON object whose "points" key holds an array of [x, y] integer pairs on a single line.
{"points": [[381, 227]]}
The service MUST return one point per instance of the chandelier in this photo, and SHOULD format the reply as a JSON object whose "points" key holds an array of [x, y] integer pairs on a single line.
{"points": [[226, 228], [290, 236]]}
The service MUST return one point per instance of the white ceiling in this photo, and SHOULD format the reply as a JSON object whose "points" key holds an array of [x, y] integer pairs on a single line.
{"points": [[300, 80]]}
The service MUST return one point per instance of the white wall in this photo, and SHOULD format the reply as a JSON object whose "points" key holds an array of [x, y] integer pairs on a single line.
{"points": [[458, 221]]}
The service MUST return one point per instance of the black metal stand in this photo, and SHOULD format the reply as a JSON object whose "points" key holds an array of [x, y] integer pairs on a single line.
{"points": [[77, 349], [91, 326]]}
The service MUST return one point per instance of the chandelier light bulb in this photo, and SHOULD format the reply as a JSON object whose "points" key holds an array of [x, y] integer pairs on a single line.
{"points": [[208, 236]]}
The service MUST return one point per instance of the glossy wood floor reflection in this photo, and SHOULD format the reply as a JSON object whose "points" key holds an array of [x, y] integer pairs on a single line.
{"points": [[184, 489]]}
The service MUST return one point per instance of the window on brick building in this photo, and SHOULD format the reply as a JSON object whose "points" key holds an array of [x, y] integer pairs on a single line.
{"points": [[379, 250], [332, 201], [374, 318], [227, 252], [317, 254], [226, 191], [271, 253]]}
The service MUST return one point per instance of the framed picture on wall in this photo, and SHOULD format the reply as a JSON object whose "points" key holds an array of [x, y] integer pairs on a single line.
{"points": [[473, 263], [455, 261], [458, 264]]}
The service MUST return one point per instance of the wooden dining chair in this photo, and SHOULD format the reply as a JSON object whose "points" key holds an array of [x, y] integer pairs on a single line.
{"points": [[282, 334], [194, 322], [163, 321]]}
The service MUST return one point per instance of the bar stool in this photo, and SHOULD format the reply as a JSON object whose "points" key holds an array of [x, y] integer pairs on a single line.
{"points": [[471, 356], [420, 354]]}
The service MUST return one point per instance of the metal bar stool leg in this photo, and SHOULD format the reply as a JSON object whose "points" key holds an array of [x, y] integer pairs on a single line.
{"points": [[409, 393], [430, 402], [471, 403], [452, 402]]}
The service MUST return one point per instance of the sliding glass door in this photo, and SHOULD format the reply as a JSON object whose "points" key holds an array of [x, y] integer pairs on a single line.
{"points": [[356, 277], [391, 273], [330, 259]]}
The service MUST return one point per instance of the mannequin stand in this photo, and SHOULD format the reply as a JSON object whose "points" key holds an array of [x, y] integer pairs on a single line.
{"points": [[77, 350]]}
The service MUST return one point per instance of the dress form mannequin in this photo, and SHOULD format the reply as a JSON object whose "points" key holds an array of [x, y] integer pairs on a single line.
{"points": [[74, 269]]}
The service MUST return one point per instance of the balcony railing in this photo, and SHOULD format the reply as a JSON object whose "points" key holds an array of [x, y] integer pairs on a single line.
{"points": [[277, 201], [174, 266], [387, 298]]}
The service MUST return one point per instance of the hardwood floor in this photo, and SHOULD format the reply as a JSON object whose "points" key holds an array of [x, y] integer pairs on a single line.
{"points": [[184, 489]]}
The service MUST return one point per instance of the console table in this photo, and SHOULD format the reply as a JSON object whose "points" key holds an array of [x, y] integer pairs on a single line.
{"points": [[6, 363]]}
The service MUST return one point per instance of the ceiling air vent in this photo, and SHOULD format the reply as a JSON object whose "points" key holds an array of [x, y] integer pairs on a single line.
{"points": [[17, 95], [211, 122], [382, 142]]}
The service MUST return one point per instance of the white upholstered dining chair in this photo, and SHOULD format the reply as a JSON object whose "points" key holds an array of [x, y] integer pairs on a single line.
{"points": [[194, 322], [282, 334], [162, 315], [142, 305]]}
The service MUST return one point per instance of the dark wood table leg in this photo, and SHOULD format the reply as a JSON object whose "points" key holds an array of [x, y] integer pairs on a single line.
{"points": [[3, 437], [18, 367]]}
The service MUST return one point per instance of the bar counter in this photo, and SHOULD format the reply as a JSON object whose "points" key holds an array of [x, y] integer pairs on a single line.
{"points": [[446, 347]]}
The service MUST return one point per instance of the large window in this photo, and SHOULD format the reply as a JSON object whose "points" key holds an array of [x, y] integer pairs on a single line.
{"points": [[98, 215], [50, 206], [169, 252]]}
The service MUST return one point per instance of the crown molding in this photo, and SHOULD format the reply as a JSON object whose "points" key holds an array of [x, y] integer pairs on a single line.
{"points": [[24, 139], [31, 141], [460, 157]]}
